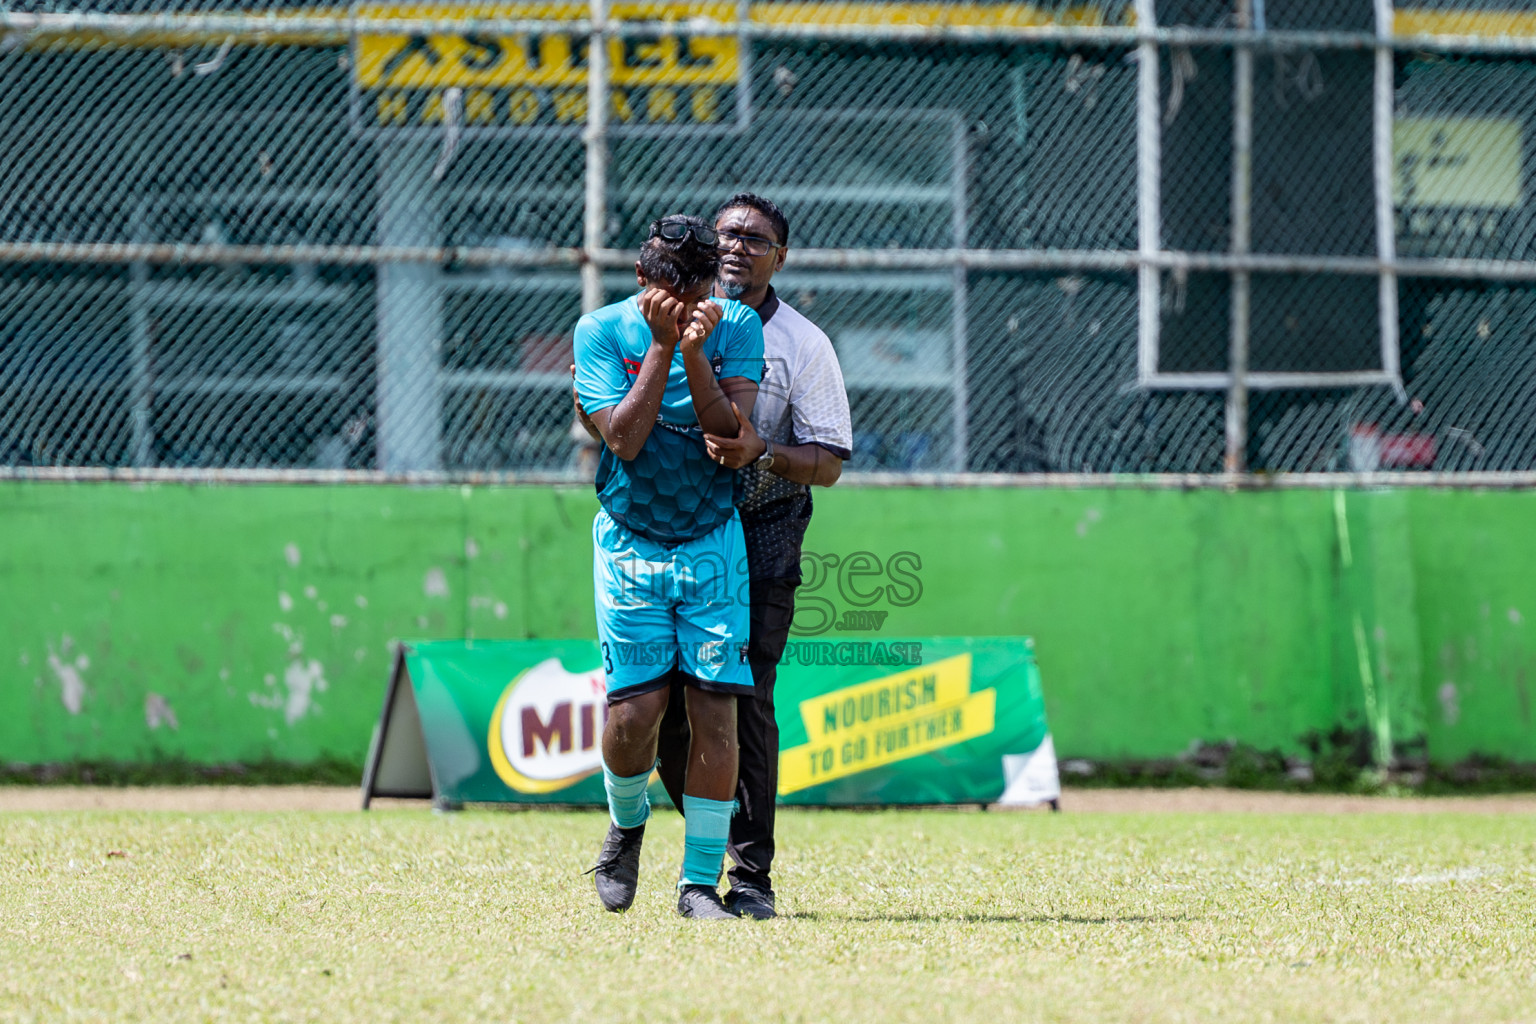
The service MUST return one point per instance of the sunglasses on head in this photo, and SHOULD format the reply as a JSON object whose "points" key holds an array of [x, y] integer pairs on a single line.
{"points": [[677, 230]]}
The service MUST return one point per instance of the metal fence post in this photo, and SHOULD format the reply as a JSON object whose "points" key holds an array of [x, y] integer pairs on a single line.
{"points": [[960, 400], [596, 138], [1242, 243], [1149, 188], [1386, 229], [140, 392], [410, 308]]}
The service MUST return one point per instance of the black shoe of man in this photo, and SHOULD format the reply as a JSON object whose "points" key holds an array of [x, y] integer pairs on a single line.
{"points": [[617, 871], [748, 900], [702, 903]]}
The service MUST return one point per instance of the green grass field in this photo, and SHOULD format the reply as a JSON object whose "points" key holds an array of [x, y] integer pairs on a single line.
{"points": [[892, 916]]}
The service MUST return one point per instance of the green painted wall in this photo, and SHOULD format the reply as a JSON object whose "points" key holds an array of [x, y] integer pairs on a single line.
{"points": [[242, 622], [1474, 556]]}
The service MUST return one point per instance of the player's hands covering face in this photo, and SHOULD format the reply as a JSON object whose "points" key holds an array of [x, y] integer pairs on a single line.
{"points": [[702, 319], [664, 314]]}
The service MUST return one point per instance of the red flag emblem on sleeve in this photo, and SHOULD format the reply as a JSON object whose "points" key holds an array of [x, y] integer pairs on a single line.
{"points": [[631, 367]]}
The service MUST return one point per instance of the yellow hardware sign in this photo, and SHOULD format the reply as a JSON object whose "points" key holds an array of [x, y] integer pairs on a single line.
{"points": [[871, 724], [540, 78], [1456, 162], [554, 59], [537, 79]]}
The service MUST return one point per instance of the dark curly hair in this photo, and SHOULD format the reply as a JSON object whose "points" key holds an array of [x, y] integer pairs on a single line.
{"points": [[767, 207], [683, 264]]}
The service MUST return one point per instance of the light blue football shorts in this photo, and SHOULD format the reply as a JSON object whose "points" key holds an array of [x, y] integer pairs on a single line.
{"points": [[662, 608]]}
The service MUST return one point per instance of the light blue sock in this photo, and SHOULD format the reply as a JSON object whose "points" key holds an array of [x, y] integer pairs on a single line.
{"points": [[628, 804], [706, 825]]}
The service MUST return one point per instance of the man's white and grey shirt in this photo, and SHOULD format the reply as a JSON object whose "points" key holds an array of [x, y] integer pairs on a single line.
{"points": [[801, 400]]}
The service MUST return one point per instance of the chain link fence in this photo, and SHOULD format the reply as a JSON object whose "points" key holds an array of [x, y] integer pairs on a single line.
{"points": [[1207, 237]]}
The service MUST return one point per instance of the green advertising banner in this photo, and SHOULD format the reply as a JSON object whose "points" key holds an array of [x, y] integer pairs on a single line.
{"points": [[937, 720]]}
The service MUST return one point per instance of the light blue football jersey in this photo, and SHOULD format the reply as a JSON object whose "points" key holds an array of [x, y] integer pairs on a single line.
{"points": [[671, 491]]}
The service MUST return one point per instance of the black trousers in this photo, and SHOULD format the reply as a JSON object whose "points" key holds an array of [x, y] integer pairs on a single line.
{"points": [[757, 735]]}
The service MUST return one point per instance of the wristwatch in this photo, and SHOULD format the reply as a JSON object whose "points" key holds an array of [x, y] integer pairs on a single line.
{"points": [[765, 460]]}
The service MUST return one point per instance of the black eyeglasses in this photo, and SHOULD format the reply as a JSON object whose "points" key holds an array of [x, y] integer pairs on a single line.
{"points": [[754, 245], [677, 230]]}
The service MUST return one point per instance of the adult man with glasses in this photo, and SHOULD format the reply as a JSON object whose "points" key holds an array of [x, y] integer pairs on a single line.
{"points": [[657, 373], [798, 434]]}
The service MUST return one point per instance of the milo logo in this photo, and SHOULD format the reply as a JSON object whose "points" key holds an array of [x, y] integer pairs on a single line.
{"points": [[546, 732]]}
